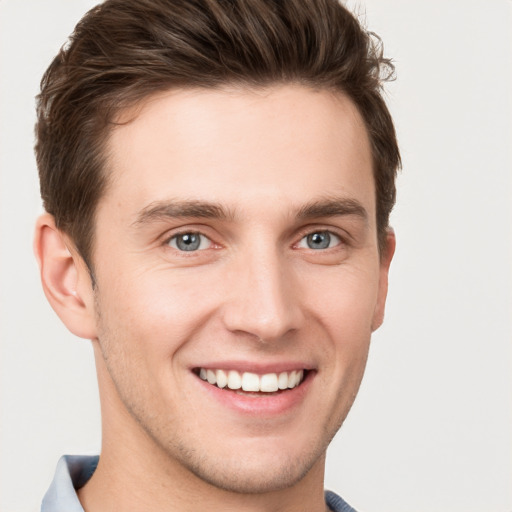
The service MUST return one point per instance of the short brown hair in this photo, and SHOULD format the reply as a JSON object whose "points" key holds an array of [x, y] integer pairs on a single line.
{"points": [[122, 51]]}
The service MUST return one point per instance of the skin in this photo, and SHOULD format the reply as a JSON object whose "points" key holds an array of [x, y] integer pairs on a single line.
{"points": [[281, 163]]}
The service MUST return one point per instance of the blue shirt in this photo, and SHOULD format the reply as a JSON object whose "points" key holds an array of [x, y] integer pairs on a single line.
{"points": [[73, 471]]}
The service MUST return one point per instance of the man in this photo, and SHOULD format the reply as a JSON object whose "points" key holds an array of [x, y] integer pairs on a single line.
{"points": [[218, 178]]}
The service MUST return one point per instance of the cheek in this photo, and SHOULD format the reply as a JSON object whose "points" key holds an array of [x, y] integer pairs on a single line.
{"points": [[155, 312], [142, 326], [345, 311], [345, 300]]}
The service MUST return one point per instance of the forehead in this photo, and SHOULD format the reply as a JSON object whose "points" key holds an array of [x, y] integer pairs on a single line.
{"points": [[240, 147]]}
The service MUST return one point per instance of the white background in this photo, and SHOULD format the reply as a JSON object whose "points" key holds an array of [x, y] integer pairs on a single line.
{"points": [[431, 429]]}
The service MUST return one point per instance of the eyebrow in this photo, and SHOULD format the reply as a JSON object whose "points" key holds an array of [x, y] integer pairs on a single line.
{"points": [[162, 210], [333, 208]]}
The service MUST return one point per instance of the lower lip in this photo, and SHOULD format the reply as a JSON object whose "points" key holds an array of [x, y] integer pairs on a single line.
{"points": [[261, 404]]}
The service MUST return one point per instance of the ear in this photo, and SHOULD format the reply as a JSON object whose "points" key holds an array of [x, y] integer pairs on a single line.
{"points": [[65, 278], [385, 262]]}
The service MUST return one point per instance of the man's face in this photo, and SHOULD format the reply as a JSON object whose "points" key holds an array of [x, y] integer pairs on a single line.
{"points": [[237, 236]]}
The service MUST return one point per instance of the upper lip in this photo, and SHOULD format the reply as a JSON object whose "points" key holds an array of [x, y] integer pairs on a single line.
{"points": [[253, 367]]}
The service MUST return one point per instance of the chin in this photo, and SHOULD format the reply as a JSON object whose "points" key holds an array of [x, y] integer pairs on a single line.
{"points": [[256, 468], [248, 477]]}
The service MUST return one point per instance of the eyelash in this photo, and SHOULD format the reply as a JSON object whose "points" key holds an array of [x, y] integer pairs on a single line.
{"points": [[342, 240], [324, 232], [168, 241]]}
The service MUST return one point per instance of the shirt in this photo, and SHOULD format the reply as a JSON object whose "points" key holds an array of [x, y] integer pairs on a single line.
{"points": [[73, 471]]}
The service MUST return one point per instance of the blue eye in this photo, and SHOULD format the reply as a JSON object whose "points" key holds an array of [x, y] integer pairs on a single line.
{"points": [[189, 242], [320, 240]]}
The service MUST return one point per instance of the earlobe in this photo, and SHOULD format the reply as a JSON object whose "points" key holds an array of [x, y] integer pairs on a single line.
{"points": [[385, 262], [65, 279]]}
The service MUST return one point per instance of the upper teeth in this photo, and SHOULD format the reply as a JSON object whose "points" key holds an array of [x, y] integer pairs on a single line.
{"points": [[247, 381]]}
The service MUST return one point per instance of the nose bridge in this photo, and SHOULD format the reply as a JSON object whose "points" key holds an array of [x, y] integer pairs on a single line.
{"points": [[263, 299]]}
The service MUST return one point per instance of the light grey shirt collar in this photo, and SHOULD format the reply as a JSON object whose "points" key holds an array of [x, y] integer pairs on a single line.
{"points": [[72, 472]]}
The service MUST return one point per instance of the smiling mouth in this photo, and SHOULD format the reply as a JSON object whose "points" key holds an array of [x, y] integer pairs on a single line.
{"points": [[251, 382]]}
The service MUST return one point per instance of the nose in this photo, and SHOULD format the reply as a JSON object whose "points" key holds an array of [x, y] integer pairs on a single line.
{"points": [[263, 299]]}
